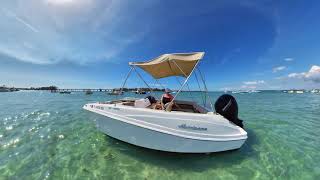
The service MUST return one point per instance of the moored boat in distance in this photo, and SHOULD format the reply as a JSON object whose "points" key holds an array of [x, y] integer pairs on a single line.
{"points": [[4, 89], [176, 126], [65, 92], [245, 91], [8, 89], [290, 91], [88, 92], [299, 91], [239, 92], [115, 92], [140, 91], [254, 91], [296, 91]]}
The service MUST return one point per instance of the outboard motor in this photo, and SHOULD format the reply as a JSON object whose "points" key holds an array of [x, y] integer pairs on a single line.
{"points": [[227, 106]]}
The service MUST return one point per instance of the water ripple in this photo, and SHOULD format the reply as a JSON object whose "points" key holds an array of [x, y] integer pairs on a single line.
{"points": [[49, 136]]}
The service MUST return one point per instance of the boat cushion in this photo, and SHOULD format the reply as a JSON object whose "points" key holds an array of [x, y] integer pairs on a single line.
{"points": [[142, 103]]}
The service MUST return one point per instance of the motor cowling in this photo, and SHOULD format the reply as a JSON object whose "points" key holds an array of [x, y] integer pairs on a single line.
{"points": [[227, 106]]}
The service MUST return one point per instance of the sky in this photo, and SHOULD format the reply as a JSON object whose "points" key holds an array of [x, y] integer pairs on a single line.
{"points": [[88, 43]]}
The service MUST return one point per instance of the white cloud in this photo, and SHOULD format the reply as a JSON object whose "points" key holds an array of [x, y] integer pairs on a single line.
{"points": [[279, 68], [60, 2], [254, 82], [158, 85], [248, 87], [288, 59], [296, 75], [312, 75], [79, 31]]}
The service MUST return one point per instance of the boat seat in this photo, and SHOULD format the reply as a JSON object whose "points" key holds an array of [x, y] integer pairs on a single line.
{"points": [[129, 103], [184, 108]]}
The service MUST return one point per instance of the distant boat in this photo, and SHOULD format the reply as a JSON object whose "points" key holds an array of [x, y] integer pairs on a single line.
{"points": [[115, 92], [245, 91], [239, 92], [296, 91], [7, 89], [254, 91], [4, 90], [299, 91], [140, 91], [88, 92], [65, 92], [315, 91]]}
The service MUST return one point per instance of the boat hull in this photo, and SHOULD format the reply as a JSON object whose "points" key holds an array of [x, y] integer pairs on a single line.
{"points": [[158, 137]]}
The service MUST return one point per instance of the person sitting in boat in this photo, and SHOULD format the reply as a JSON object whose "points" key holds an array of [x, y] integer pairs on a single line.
{"points": [[166, 97], [165, 100]]}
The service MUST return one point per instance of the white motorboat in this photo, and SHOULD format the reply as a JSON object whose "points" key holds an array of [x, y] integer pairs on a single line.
{"points": [[115, 92], [254, 91], [245, 91], [181, 126], [299, 91], [240, 92], [140, 91], [88, 92]]}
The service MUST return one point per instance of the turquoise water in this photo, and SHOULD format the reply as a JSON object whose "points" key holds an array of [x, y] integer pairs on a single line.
{"points": [[48, 136]]}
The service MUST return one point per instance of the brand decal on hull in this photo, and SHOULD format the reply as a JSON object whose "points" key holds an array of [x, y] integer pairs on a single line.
{"points": [[184, 126], [103, 108], [113, 108]]}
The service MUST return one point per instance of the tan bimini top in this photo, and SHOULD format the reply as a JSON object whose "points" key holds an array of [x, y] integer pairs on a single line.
{"points": [[177, 64]]}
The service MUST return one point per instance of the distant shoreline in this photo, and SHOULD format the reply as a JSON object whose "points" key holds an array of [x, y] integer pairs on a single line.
{"points": [[55, 88]]}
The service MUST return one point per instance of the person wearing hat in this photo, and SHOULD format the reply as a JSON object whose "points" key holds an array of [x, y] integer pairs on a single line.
{"points": [[165, 100], [166, 97]]}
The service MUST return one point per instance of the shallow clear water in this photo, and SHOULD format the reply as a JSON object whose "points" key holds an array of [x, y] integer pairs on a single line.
{"points": [[48, 135]]}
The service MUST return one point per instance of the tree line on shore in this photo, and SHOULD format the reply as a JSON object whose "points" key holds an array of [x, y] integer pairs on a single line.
{"points": [[49, 88], [55, 88]]}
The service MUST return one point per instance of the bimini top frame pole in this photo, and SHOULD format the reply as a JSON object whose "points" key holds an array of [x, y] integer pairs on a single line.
{"points": [[184, 83], [206, 89], [199, 57], [139, 75], [124, 83], [143, 80]]}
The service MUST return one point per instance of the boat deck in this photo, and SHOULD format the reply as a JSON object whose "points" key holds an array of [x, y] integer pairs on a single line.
{"points": [[182, 106]]}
